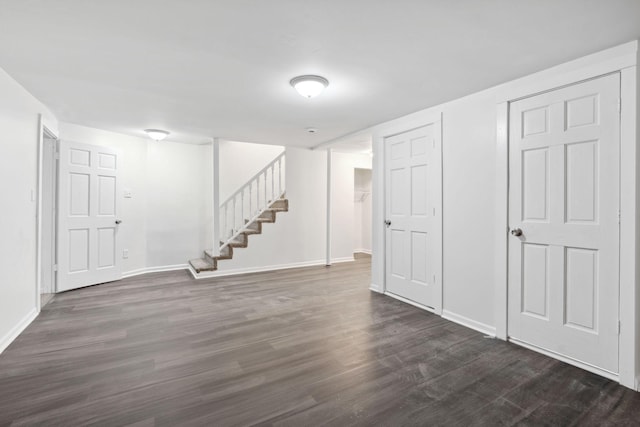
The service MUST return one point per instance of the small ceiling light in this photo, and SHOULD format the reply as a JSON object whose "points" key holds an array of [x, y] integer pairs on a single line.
{"points": [[309, 86], [157, 134]]}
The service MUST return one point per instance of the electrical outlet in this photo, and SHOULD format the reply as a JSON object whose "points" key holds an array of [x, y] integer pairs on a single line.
{"points": [[125, 253]]}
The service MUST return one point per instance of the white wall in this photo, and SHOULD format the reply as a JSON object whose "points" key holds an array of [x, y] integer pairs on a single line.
{"points": [[176, 203], [240, 161], [342, 189], [19, 123], [468, 181], [164, 222]]}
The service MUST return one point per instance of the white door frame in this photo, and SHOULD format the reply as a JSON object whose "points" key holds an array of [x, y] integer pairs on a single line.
{"points": [[379, 211], [44, 129], [629, 338]]}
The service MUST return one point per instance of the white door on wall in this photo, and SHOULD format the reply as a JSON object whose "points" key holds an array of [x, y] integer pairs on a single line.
{"points": [[563, 212], [413, 194], [88, 238]]}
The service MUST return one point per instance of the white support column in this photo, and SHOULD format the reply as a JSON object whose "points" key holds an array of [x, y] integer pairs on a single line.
{"points": [[216, 195], [328, 261]]}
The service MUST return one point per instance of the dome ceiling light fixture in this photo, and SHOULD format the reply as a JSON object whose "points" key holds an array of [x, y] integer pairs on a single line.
{"points": [[156, 134], [309, 86]]}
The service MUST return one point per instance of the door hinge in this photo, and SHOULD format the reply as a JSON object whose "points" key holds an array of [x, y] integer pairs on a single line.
{"points": [[55, 267], [618, 216], [56, 155], [619, 327]]}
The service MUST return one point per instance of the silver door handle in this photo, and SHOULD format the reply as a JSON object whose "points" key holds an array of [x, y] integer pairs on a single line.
{"points": [[387, 223], [118, 221], [516, 232]]}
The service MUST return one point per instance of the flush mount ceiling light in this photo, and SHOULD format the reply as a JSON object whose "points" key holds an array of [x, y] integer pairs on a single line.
{"points": [[156, 134], [309, 86]]}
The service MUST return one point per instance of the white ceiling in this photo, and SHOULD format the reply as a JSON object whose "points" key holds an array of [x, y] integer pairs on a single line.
{"points": [[204, 68]]}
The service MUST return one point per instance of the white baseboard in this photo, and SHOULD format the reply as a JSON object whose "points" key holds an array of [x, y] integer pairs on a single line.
{"points": [[362, 251], [154, 270], [17, 330], [234, 272], [375, 288], [469, 323], [343, 259]]}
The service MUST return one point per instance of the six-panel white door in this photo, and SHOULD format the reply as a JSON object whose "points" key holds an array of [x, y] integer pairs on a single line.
{"points": [[88, 238], [564, 200], [413, 183]]}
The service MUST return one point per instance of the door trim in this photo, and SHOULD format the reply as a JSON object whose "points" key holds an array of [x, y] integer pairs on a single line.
{"points": [[378, 220], [629, 230], [44, 129]]}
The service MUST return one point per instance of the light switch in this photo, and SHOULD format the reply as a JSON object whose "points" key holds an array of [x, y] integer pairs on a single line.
{"points": [[127, 193], [125, 253]]}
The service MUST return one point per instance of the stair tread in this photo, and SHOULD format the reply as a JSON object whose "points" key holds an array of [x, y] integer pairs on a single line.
{"points": [[209, 253], [200, 264], [237, 244], [261, 219]]}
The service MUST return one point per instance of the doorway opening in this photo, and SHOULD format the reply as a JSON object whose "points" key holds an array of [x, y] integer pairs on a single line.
{"points": [[48, 199], [362, 212]]}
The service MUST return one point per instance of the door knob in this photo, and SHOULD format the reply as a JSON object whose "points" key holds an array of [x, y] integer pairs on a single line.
{"points": [[118, 221], [516, 232], [387, 223]]}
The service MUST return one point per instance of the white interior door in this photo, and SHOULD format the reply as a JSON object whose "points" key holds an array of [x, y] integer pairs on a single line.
{"points": [[564, 200], [413, 194], [88, 238]]}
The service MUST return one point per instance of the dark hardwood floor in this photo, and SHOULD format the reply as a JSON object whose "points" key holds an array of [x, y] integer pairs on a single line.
{"points": [[302, 347]]}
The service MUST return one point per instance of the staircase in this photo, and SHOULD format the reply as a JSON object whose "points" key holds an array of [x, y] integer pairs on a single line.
{"points": [[210, 262], [241, 215]]}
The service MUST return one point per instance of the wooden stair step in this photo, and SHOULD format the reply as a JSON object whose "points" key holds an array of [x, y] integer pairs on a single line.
{"points": [[238, 243], [264, 219], [223, 255], [200, 265], [267, 216], [250, 231]]}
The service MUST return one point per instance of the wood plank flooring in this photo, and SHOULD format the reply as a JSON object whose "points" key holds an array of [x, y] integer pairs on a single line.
{"points": [[300, 347]]}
